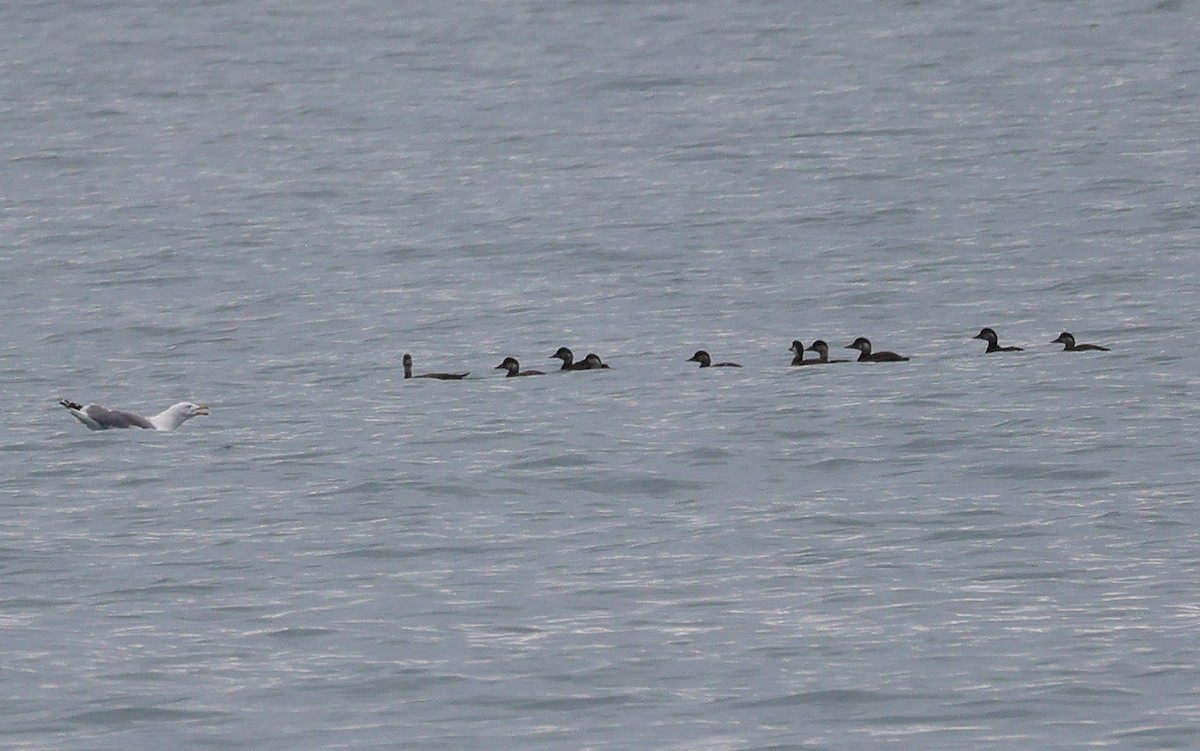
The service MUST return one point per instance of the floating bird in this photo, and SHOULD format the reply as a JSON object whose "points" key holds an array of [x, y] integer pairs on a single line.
{"points": [[797, 350], [102, 418], [568, 359], [990, 337], [514, 368], [440, 376], [1069, 344], [593, 362], [863, 345], [822, 350], [706, 362]]}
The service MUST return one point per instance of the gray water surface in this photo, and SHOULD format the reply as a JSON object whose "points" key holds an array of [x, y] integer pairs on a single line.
{"points": [[262, 206]]}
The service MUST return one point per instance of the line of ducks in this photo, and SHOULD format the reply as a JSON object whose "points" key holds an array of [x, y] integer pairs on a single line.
{"points": [[862, 344]]}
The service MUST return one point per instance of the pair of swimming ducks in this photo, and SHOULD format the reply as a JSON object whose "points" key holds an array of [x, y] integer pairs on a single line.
{"points": [[513, 366], [1065, 339]]}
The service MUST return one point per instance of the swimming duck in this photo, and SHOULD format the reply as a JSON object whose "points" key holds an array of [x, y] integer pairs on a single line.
{"points": [[797, 350], [593, 362], [863, 345], [1069, 344], [822, 350], [514, 368], [706, 362], [568, 359], [990, 337], [440, 376]]}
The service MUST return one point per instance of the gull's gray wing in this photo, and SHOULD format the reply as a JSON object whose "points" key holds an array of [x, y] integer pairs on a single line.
{"points": [[115, 418]]}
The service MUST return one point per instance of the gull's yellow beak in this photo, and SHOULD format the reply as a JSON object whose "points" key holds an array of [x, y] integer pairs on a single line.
{"points": [[202, 409]]}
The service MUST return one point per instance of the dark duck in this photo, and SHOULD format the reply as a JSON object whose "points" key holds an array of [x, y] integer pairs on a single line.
{"points": [[1069, 344], [863, 345], [593, 362], [514, 368], [822, 350], [989, 336], [797, 350], [568, 360], [705, 361], [439, 376]]}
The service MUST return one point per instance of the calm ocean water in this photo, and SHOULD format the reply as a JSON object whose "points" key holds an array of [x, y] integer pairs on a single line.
{"points": [[263, 205]]}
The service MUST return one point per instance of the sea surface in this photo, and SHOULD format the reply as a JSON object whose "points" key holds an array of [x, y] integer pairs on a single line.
{"points": [[263, 205]]}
